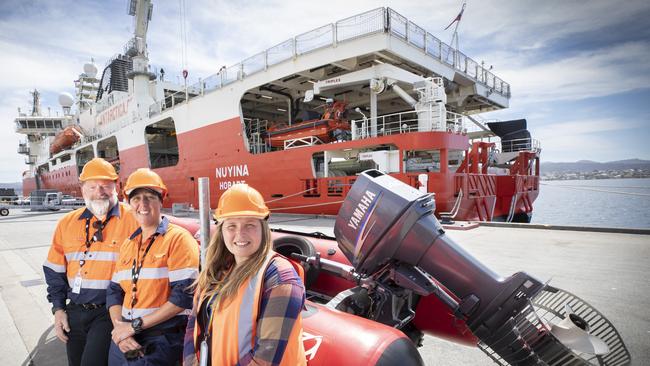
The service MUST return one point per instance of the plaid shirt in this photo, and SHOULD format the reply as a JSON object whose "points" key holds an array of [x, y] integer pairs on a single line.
{"points": [[283, 299]]}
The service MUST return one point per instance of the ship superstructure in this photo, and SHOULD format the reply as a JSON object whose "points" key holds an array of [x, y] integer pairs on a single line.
{"points": [[301, 119]]}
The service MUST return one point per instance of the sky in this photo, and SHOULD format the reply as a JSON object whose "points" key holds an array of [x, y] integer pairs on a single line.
{"points": [[579, 70]]}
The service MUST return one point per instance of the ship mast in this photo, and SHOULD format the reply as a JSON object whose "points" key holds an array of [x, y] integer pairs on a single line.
{"points": [[36, 103], [454, 37], [137, 49]]}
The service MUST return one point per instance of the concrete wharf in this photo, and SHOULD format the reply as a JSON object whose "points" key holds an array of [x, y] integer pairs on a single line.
{"points": [[609, 270]]}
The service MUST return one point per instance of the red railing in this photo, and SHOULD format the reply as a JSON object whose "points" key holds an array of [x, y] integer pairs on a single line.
{"points": [[329, 187]]}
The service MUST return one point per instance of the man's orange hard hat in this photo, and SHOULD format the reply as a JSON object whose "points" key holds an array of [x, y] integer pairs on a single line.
{"points": [[98, 168]]}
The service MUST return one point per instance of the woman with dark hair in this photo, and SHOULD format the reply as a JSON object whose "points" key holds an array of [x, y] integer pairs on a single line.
{"points": [[248, 298], [148, 298]]}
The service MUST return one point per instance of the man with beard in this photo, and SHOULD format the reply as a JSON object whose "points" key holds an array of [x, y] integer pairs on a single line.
{"points": [[80, 264]]}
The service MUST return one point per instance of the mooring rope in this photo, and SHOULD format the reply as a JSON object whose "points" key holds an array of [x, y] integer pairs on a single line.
{"points": [[582, 188]]}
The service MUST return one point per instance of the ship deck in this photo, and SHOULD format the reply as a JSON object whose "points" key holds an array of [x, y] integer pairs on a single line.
{"points": [[607, 269]]}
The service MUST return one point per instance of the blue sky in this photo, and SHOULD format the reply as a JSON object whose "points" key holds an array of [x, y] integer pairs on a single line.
{"points": [[579, 70]]}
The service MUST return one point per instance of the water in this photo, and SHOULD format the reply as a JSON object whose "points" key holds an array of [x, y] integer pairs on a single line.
{"points": [[606, 202]]}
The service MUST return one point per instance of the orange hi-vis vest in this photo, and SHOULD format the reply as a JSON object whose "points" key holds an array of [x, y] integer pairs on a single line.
{"points": [[173, 257], [69, 256], [233, 328]]}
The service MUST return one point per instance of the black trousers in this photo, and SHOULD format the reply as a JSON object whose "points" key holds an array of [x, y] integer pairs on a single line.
{"points": [[90, 336]]}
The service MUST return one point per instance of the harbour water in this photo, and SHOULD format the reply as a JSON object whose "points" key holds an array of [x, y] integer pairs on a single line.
{"points": [[605, 203]]}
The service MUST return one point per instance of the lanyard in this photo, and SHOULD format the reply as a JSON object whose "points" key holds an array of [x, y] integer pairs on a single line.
{"points": [[208, 308], [98, 236], [135, 270], [209, 316]]}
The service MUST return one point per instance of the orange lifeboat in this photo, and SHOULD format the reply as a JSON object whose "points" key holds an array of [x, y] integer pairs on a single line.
{"points": [[65, 139], [325, 128]]}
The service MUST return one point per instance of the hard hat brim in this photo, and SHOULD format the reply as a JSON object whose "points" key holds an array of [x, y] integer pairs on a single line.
{"points": [[162, 192], [98, 177], [242, 214]]}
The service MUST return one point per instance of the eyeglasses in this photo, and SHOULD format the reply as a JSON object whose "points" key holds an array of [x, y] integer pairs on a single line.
{"points": [[134, 354]]}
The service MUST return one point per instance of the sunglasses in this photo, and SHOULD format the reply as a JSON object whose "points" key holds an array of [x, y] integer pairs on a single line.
{"points": [[99, 227], [134, 354]]}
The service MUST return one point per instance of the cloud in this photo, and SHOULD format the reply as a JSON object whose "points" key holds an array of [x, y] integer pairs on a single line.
{"points": [[589, 74], [45, 44], [525, 24], [592, 139], [583, 127]]}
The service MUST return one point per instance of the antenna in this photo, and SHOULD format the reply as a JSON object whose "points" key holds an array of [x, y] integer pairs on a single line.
{"points": [[36, 103]]}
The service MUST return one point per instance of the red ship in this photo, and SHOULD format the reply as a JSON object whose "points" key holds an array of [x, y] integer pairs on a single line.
{"points": [[300, 121]]}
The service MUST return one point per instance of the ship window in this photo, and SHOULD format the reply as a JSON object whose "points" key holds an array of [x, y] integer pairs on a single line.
{"points": [[107, 149], [422, 161], [162, 143], [65, 158], [84, 155], [455, 158]]}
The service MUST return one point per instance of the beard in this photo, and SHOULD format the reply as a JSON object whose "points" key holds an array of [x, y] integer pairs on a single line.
{"points": [[100, 207]]}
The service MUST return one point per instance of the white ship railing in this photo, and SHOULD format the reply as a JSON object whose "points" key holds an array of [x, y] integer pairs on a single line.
{"points": [[523, 144], [404, 122], [380, 20]]}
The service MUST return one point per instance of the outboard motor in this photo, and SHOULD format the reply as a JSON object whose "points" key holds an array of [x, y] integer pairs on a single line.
{"points": [[399, 252]]}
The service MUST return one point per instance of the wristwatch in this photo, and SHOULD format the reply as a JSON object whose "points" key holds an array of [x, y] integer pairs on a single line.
{"points": [[137, 325], [55, 308]]}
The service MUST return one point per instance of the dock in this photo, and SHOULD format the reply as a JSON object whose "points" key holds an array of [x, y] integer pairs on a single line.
{"points": [[607, 268]]}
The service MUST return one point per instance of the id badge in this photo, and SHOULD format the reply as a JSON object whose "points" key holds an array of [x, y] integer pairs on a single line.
{"points": [[203, 361], [76, 286]]}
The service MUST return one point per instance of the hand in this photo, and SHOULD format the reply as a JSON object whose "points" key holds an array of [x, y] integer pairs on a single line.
{"points": [[121, 331], [128, 344], [61, 326]]}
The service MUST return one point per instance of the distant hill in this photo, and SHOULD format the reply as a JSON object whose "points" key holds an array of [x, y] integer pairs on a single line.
{"points": [[590, 166], [17, 185]]}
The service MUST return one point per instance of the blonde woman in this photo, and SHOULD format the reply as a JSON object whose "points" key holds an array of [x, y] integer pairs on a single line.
{"points": [[248, 298]]}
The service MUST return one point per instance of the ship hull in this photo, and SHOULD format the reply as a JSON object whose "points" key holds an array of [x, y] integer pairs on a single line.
{"points": [[286, 178]]}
